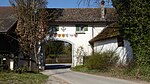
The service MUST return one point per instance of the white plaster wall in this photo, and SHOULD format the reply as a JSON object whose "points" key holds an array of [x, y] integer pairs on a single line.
{"points": [[80, 40], [124, 53], [97, 30]]}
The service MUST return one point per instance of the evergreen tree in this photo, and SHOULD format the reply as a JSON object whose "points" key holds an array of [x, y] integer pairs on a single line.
{"points": [[134, 24]]}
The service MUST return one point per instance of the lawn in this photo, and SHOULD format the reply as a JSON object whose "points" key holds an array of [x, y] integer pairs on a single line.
{"points": [[24, 78], [122, 73]]}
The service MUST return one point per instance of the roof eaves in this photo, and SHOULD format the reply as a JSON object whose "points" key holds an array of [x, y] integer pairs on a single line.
{"points": [[15, 21], [98, 37], [83, 21], [12, 22]]}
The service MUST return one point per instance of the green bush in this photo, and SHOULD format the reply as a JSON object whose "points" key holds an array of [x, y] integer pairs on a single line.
{"points": [[85, 58], [21, 70], [102, 61]]}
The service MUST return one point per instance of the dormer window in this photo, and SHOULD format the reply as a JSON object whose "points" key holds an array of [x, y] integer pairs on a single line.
{"points": [[80, 29]]}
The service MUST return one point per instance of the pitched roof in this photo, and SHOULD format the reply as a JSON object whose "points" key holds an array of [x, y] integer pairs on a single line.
{"points": [[7, 19], [109, 32], [81, 14]]}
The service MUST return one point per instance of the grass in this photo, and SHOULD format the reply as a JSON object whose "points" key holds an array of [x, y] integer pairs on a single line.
{"points": [[104, 64], [122, 73], [24, 78]]}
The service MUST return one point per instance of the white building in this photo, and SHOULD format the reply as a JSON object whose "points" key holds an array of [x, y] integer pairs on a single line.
{"points": [[86, 28], [78, 26], [110, 39]]}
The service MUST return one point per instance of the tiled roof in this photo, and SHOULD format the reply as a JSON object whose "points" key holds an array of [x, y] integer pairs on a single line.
{"points": [[109, 32], [7, 19], [81, 15]]}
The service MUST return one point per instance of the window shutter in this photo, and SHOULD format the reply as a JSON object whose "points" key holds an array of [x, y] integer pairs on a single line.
{"points": [[77, 28], [57, 28], [85, 28]]}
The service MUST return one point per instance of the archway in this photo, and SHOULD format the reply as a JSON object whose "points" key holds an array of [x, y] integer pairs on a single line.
{"points": [[58, 52], [42, 54], [70, 42]]}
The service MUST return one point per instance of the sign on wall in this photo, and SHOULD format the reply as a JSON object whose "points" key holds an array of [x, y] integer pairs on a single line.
{"points": [[65, 35]]}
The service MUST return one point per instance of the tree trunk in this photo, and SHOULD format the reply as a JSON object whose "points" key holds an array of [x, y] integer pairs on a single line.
{"points": [[36, 58]]}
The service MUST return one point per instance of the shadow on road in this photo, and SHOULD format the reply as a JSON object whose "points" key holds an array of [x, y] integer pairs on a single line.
{"points": [[57, 66]]}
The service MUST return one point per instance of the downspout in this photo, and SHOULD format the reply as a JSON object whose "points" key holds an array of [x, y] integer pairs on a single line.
{"points": [[92, 45], [93, 48]]}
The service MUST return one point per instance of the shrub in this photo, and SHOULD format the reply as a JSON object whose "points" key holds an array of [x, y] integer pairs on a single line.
{"points": [[85, 58], [21, 70], [102, 61]]}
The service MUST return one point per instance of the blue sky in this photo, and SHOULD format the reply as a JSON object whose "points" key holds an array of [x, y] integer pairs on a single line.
{"points": [[58, 4]]}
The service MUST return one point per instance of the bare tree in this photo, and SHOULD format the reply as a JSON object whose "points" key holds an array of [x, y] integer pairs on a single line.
{"points": [[32, 24]]}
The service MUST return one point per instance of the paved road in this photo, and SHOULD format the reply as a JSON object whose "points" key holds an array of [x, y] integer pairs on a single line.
{"points": [[82, 78]]}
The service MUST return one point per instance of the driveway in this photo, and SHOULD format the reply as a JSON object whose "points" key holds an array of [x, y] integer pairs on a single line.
{"points": [[81, 78]]}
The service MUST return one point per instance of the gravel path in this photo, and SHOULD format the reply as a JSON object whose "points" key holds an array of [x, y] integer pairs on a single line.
{"points": [[55, 80]]}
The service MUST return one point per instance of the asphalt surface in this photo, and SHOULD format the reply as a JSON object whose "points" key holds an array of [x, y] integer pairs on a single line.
{"points": [[63, 72]]}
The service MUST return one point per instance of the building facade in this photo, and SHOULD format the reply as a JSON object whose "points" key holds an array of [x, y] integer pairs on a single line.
{"points": [[110, 39], [78, 26]]}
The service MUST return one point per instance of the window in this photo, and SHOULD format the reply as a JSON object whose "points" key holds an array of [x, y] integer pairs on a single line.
{"points": [[120, 42], [80, 29], [53, 28]]}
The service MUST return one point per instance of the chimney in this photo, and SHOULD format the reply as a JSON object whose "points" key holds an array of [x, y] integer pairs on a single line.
{"points": [[102, 9]]}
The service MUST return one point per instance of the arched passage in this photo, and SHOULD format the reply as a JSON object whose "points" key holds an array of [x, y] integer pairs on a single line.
{"points": [[73, 46], [57, 51], [42, 57]]}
